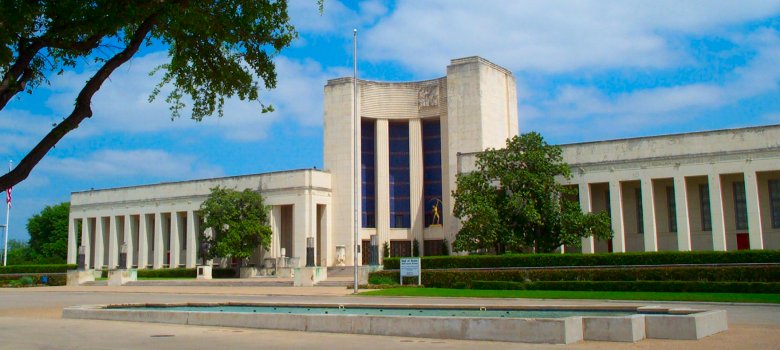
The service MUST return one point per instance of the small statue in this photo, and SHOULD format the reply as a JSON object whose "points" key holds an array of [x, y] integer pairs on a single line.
{"points": [[436, 219]]}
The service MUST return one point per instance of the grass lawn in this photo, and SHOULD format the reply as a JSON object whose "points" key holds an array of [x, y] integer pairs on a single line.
{"points": [[556, 294]]}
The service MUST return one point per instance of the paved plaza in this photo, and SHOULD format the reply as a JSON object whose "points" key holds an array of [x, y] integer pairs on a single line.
{"points": [[30, 318]]}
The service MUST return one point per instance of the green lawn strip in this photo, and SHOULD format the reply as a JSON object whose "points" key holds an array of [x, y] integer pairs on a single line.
{"points": [[557, 294]]}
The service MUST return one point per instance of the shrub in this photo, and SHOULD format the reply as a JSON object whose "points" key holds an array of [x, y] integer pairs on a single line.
{"points": [[454, 278], [602, 259], [634, 286], [53, 268]]}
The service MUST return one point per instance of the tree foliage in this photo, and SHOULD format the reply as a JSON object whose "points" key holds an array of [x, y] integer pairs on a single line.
{"points": [[513, 201], [238, 222], [49, 234], [217, 49]]}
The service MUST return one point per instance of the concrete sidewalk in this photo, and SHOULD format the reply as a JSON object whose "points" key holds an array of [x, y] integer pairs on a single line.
{"points": [[30, 318]]}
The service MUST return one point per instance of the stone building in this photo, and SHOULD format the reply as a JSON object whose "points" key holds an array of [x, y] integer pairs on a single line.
{"points": [[716, 190]]}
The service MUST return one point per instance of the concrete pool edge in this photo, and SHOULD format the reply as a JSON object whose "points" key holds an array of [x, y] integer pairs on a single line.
{"points": [[675, 324]]}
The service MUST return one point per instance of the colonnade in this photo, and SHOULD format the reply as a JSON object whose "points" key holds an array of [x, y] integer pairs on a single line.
{"points": [[152, 240], [688, 211]]}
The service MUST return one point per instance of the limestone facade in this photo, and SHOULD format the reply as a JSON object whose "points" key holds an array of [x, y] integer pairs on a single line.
{"points": [[714, 190], [717, 190]]}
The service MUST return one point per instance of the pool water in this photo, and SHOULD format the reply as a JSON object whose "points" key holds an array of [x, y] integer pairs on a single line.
{"points": [[387, 311]]}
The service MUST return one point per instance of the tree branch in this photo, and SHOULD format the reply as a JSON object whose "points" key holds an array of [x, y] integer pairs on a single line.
{"points": [[20, 72], [82, 109]]}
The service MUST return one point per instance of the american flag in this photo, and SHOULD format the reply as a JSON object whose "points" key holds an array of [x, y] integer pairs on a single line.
{"points": [[8, 196]]}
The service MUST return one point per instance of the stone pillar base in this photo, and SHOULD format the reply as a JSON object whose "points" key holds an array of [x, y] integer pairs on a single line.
{"points": [[77, 277], [247, 272], [364, 270], [309, 276], [121, 276], [204, 272]]}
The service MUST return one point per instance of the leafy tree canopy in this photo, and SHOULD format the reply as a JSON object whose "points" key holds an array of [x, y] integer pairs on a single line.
{"points": [[513, 201], [217, 49], [239, 223], [49, 234]]}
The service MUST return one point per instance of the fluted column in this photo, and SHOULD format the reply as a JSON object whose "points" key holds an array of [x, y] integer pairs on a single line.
{"points": [[382, 182], [755, 231], [113, 241], [86, 241], [128, 239], [143, 241], [99, 243], [72, 244], [175, 240], [716, 212], [159, 247], [616, 202], [587, 243], [648, 215], [192, 239], [416, 205], [683, 219]]}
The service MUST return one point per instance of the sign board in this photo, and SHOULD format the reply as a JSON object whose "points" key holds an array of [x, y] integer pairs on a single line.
{"points": [[410, 267]]}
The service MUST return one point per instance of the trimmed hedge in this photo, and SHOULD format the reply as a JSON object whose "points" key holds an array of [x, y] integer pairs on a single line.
{"points": [[633, 286], [460, 278], [183, 272], [54, 268], [58, 279], [601, 259]]}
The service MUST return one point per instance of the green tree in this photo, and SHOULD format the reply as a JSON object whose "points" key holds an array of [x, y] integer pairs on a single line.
{"points": [[513, 201], [239, 223], [19, 253], [217, 49], [49, 234]]}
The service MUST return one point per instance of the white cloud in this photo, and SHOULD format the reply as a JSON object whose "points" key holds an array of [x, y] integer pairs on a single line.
{"points": [[583, 110], [336, 18], [551, 36], [142, 163], [122, 103]]}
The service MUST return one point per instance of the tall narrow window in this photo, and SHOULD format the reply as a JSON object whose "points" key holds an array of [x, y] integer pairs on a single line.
{"points": [[608, 203], [671, 205], [740, 206], [774, 202], [367, 173], [431, 132], [640, 220], [399, 175], [704, 201]]}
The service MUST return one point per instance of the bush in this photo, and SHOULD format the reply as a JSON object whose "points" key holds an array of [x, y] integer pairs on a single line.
{"points": [[634, 286], [602, 259], [458, 278], [53, 268], [57, 279], [216, 272]]}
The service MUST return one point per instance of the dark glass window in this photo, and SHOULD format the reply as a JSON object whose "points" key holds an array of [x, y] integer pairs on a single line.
{"points": [[399, 175], [431, 139], [774, 202], [367, 173], [704, 204], [740, 206], [640, 220], [671, 205]]}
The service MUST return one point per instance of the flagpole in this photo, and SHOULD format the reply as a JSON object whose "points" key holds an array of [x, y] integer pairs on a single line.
{"points": [[356, 173], [7, 216]]}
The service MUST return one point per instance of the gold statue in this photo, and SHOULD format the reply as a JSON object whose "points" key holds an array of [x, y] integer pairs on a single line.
{"points": [[436, 220]]}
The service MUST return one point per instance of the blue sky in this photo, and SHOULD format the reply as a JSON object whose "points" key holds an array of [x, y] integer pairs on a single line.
{"points": [[586, 70]]}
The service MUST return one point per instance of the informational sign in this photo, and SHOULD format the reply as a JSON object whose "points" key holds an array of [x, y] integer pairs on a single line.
{"points": [[410, 267]]}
